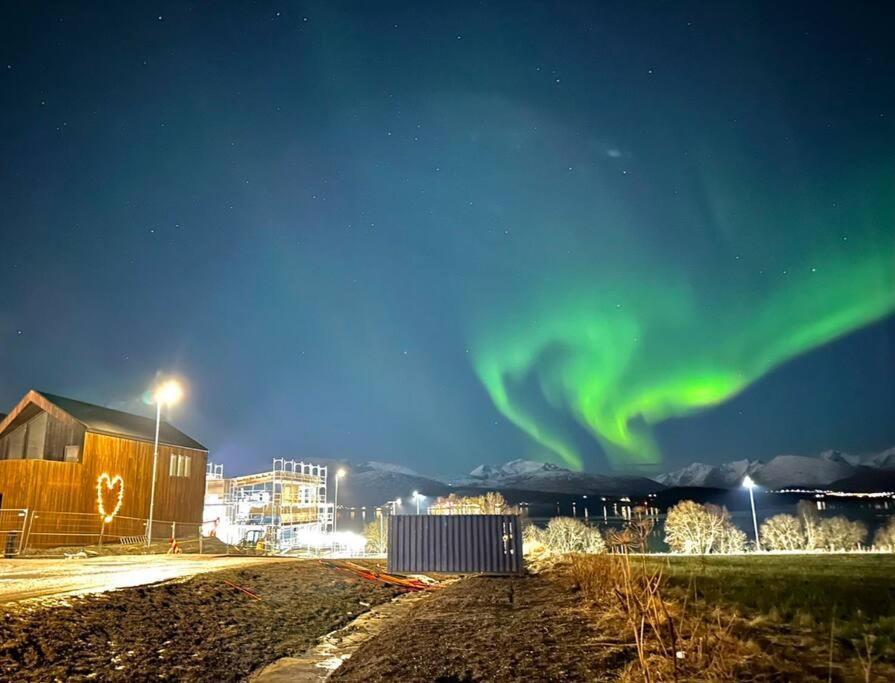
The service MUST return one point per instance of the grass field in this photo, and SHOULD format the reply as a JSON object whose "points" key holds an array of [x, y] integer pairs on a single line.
{"points": [[757, 618], [848, 586], [846, 599]]}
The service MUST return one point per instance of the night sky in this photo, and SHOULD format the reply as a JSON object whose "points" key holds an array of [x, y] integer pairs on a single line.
{"points": [[615, 236]]}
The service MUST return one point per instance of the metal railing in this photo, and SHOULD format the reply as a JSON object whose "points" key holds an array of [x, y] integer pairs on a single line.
{"points": [[42, 531], [12, 531]]}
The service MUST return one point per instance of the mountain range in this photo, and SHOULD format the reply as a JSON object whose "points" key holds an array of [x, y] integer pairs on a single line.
{"points": [[373, 483], [784, 470], [528, 475]]}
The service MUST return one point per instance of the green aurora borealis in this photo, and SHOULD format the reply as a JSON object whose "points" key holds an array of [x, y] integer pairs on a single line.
{"points": [[614, 236], [625, 343]]}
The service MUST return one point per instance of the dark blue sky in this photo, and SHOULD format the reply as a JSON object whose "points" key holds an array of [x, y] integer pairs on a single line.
{"points": [[334, 219]]}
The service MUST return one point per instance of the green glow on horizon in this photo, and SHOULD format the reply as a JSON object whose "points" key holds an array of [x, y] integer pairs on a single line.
{"points": [[618, 351]]}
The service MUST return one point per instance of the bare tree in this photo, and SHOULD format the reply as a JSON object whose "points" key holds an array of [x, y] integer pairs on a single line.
{"points": [[376, 533], [493, 503], [782, 532], [694, 528], [490, 503], [730, 540], [812, 528], [568, 535], [885, 536], [843, 534]]}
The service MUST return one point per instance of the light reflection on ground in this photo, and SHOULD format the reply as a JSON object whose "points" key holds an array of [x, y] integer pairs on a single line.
{"points": [[55, 578]]}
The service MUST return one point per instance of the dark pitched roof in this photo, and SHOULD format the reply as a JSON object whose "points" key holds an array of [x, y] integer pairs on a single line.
{"points": [[118, 423]]}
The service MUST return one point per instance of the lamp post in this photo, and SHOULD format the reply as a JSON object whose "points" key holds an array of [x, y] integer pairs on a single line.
{"points": [[339, 474], [167, 393], [416, 497], [749, 484]]}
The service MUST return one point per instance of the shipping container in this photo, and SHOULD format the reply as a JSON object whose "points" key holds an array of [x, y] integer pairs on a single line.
{"points": [[464, 544]]}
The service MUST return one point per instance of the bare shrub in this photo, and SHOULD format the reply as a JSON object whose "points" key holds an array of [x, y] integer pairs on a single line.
{"points": [[622, 540], [594, 575], [376, 533], [534, 541], [699, 529], [843, 534], [782, 532], [885, 536], [673, 640], [634, 535], [730, 540], [493, 503], [568, 535]]}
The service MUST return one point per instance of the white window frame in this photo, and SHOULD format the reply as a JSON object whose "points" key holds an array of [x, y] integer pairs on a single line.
{"points": [[179, 466]]}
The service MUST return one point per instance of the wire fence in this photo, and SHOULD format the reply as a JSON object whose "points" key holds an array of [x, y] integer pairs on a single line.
{"points": [[41, 532], [12, 531]]}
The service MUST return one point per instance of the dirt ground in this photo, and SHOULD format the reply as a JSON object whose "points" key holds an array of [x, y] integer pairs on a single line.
{"points": [[196, 629], [491, 629], [540, 628]]}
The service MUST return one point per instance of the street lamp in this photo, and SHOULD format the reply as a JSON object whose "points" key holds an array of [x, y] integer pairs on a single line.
{"points": [[749, 484], [339, 474], [417, 497], [167, 393]]}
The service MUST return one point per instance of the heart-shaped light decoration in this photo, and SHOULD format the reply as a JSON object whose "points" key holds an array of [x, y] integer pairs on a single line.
{"points": [[106, 483]]}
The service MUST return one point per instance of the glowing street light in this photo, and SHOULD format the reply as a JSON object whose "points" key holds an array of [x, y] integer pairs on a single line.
{"points": [[749, 484], [417, 497], [167, 393], [339, 474]]}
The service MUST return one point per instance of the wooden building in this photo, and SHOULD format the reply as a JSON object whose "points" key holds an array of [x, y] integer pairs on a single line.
{"points": [[69, 460]]}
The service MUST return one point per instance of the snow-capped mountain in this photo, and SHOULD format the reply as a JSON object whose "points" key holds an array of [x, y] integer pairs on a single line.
{"points": [[780, 471], [726, 475], [528, 475], [800, 470], [882, 461], [374, 483]]}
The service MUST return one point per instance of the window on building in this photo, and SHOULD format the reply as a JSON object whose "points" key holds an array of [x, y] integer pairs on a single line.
{"points": [[179, 465], [72, 453]]}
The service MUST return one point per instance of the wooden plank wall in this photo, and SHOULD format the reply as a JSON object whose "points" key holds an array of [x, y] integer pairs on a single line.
{"points": [[71, 487]]}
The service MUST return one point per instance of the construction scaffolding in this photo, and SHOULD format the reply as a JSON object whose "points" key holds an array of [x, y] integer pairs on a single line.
{"points": [[279, 510]]}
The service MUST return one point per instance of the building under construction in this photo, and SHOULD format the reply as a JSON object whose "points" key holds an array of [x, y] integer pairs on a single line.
{"points": [[284, 508]]}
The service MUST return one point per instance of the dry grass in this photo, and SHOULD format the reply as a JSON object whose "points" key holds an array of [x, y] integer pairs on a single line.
{"points": [[674, 640]]}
